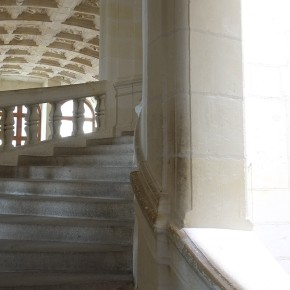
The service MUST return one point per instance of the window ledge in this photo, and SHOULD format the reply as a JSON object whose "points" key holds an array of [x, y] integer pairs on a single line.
{"points": [[240, 258]]}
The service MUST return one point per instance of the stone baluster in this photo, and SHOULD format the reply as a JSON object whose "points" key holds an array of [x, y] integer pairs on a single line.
{"points": [[50, 120], [26, 128], [74, 120], [55, 117], [2, 126], [100, 112], [8, 127], [78, 117], [32, 124]]}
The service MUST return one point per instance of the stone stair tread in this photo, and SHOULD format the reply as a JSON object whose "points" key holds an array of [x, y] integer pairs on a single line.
{"points": [[78, 166], [69, 181], [100, 149], [90, 199], [101, 143], [66, 221], [99, 173], [7, 245], [127, 154], [95, 151], [34, 278], [109, 141], [66, 206], [107, 159], [69, 187], [80, 173], [13, 169]]}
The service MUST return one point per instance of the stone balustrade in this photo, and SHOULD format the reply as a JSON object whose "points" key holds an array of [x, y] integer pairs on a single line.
{"points": [[55, 97]]}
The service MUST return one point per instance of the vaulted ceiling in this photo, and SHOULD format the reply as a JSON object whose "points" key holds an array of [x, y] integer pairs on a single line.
{"points": [[50, 39]]}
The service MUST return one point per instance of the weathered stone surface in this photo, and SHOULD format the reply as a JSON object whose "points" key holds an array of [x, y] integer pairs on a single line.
{"points": [[75, 233]]}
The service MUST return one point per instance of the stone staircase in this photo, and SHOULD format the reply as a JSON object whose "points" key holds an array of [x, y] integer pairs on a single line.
{"points": [[66, 221]]}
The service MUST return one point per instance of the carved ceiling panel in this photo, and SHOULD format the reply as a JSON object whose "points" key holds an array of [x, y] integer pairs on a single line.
{"points": [[50, 39]]}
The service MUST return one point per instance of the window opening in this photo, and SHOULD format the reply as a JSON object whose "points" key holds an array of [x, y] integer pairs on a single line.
{"points": [[67, 117]]}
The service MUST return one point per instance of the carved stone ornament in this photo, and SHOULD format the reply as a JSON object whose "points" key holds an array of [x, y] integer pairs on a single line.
{"points": [[84, 16], [36, 27], [149, 209], [93, 3], [36, 10], [19, 2]]}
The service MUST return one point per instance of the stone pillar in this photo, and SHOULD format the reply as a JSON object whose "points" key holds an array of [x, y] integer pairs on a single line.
{"points": [[120, 43], [218, 195], [191, 131], [121, 59], [194, 104]]}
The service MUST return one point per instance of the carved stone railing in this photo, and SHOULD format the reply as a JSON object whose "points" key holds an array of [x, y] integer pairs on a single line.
{"points": [[56, 97], [128, 96]]}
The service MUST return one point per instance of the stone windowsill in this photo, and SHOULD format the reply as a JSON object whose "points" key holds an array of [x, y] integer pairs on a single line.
{"points": [[241, 258]]}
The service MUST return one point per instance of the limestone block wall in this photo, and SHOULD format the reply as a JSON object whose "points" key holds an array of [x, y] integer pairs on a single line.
{"points": [[121, 60], [266, 64], [217, 129], [154, 100], [7, 84], [121, 40]]}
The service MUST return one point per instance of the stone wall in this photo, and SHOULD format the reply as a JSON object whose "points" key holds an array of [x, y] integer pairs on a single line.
{"points": [[267, 115]]}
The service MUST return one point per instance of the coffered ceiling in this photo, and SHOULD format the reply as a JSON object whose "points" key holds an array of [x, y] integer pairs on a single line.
{"points": [[50, 39]]}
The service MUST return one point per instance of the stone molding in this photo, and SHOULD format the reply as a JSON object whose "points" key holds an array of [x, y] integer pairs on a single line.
{"points": [[146, 190], [142, 192], [197, 261], [128, 87], [53, 94]]}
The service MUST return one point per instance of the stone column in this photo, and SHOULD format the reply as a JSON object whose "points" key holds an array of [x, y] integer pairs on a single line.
{"points": [[191, 134], [218, 197], [121, 59], [120, 43], [195, 129]]}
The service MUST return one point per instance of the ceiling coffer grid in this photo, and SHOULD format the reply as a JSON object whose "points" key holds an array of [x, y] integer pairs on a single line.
{"points": [[50, 39]]}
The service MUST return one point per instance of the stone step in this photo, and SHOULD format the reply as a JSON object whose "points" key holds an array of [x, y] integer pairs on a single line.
{"points": [[64, 257], [66, 220], [34, 280], [124, 159], [78, 188], [100, 149], [101, 173], [7, 171], [61, 206], [56, 229], [111, 141]]}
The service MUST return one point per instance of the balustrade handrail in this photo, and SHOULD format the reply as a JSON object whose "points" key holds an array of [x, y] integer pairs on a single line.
{"points": [[52, 94], [55, 97]]}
